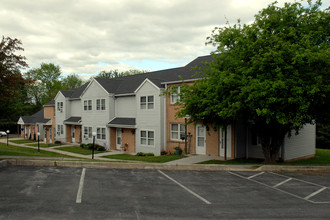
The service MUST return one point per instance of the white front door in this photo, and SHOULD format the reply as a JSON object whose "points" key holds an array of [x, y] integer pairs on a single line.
{"points": [[45, 139], [50, 136], [223, 143], [118, 139], [200, 140], [73, 134]]}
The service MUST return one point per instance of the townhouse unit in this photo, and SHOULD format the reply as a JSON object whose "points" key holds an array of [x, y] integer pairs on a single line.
{"points": [[132, 114], [42, 122]]}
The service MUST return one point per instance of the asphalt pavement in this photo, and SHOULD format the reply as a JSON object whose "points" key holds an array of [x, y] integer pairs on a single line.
{"points": [[83, 193]]}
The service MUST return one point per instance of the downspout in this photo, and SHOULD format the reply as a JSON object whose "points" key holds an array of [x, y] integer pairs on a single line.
{"points": [[226, 143], [247, 143]]}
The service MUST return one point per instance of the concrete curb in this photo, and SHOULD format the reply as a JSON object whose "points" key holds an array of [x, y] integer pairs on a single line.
{"points": [[293, 168], [157, 166]]}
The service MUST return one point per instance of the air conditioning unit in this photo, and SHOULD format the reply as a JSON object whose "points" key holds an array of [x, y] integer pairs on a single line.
{"points": [[85, 136], [58, 133]]}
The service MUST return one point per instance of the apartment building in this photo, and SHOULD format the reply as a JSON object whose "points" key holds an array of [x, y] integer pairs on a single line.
{"points": [[132, 114]]}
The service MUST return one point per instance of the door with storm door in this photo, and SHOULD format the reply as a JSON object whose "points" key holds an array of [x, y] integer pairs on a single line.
{"points": [[118, 139], [200, 140], [73, 134]]}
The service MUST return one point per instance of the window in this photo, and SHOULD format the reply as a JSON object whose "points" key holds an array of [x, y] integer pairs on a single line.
{"points": [[59, 106], [175, 91], [100, 133], [177, 131], [147, 138], [100, 104], [87, 105], [87, 132], [147, 102], [60, 129]]}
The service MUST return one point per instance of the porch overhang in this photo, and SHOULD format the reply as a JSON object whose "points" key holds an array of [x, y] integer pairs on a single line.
{"points": [[73, 121], [122, 123]]}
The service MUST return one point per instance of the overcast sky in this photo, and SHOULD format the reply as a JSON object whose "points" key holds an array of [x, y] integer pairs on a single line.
{"points": [[87, 36]]}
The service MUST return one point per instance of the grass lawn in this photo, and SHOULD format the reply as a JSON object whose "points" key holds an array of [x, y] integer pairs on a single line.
{"points": [[153, 159], [78, 150], [43, 145], [22, 141], [322, 157], [23, 151]]}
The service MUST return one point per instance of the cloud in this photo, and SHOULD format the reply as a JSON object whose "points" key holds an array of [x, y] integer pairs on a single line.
{"points": [[81, 35]]}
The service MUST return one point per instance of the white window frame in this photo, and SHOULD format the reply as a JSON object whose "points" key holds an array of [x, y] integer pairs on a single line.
{"points": [[179, 132], [175, 94], [100, 104], [60, 129], [59, 106], [100, 133], [88, 132], [147, 104], [147, 138], [88, 105]]}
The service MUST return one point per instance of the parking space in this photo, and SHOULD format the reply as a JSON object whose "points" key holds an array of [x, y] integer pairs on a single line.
{"points": [[310, 191], [52, 193]]}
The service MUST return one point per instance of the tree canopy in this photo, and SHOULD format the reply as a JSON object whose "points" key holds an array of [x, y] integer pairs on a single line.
{"points": [[12, 91], [45, 81], [273, 73], [116, 73]]}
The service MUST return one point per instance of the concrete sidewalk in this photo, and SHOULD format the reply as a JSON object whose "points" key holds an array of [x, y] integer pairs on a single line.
{"points": [[188, 163], [193, 159]]}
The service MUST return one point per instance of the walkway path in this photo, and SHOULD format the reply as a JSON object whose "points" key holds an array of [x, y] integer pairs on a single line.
{"points": [[191, 159]]}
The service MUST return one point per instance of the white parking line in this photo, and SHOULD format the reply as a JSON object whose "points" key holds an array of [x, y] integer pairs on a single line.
{"points": [[250, 177], [281, 183], [193, 193], [81, 186], [315, 193], [307, 198]]}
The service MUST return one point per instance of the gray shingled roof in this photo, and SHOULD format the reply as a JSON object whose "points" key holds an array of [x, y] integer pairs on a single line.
{"points": [[74, 93], [128, 84], [71, 120], [123, 121], [35, 118], [50, 103]]}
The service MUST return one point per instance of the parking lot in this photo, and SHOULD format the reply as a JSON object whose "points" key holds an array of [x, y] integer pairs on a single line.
{"points": [[79, 193]]}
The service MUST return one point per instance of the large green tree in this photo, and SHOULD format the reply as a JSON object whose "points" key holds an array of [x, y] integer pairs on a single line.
{"points": [[12, 85], [116, 73], [71, 82], [273, 73], [44, 83]]}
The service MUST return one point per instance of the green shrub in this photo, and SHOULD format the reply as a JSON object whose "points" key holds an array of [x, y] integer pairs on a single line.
{"points": [[89, 146], [99, 147], [144, 154], [83, 145]]}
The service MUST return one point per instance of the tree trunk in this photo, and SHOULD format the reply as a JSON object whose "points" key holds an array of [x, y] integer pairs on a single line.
{"points": [[272, 137]]}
